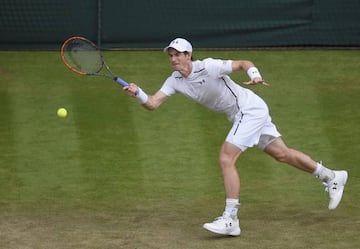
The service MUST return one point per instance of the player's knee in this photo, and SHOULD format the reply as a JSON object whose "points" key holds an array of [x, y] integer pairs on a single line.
{"points": [[224, 161]]}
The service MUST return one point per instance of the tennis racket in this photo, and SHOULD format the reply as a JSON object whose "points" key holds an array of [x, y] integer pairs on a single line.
{"points": [[83, 57]]}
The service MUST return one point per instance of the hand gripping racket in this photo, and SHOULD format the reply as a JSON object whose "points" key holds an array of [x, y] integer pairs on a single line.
{"points": [[83, 57]]}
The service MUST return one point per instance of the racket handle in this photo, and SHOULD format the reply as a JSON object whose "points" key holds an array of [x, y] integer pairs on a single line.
{"points": [[124, 83], [121, 81]]}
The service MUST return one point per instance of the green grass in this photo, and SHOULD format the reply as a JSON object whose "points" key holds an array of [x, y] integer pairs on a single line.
{"points": [[113, 175]]}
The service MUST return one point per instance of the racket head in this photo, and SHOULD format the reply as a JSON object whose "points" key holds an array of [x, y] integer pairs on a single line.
{"points": [[81, 56]]}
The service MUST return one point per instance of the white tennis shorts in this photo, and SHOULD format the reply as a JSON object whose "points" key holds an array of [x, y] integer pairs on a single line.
{"points": [[253, 127]]}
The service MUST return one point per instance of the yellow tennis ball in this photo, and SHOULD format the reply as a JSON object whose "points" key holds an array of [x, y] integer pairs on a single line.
{"points": [[62, 113]]}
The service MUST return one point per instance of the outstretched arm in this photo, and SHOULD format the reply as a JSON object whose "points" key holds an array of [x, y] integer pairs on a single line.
{"points": [[252, 71], [149, 102]]}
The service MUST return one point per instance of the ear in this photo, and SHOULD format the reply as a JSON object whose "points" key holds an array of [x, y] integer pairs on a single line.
{"points": [[188, 55]]}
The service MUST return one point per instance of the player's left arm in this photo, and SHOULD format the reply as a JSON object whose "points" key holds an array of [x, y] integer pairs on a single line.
{"points": [[251, 70]]}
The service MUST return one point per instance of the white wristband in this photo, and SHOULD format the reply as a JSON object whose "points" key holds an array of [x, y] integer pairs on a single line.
{"points": [[253, 72], [141, 96]]}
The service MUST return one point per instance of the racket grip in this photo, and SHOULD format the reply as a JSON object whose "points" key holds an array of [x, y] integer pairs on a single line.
{"points": [[121, 81], [124, 83]]}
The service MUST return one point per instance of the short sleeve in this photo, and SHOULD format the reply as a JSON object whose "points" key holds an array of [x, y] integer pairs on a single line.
{"points": [[219, 68], [168, 86]]}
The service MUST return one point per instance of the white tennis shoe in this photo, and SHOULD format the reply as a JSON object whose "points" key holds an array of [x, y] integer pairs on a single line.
{"points": [[335, 187], [224, 225]]}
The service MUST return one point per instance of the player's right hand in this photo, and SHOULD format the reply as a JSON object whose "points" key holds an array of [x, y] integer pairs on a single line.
{"points": [[132, 89]]}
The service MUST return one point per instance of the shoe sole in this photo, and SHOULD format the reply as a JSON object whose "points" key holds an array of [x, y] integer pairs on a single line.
{"points": [[232, 233]]}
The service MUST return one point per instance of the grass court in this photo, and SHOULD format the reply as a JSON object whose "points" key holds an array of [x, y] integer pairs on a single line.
{"points": [[113, 175]]}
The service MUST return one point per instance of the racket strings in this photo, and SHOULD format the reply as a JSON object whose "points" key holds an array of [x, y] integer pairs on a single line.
{"points": [[83, 57]]}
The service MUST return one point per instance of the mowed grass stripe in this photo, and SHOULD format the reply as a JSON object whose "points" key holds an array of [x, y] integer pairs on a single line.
{"points": [[173, 143], [8, 180], [108, 148], [44, 146]]}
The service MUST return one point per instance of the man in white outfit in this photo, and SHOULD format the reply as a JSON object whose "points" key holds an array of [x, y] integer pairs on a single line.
{"points": [[207, 82]]}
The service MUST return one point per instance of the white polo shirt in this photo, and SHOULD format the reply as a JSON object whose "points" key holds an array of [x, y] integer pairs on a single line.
{"points": [[209, 85]]}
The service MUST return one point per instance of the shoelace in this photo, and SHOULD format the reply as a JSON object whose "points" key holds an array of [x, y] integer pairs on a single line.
{"points": [[329, 186], [223, 217], [326, 185]]}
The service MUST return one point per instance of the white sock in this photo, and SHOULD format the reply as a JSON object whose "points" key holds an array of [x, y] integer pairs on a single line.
{"points": [[231, 208], [323, 173]]}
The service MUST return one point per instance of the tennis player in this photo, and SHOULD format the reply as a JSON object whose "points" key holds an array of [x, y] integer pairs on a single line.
{"points": [[208, 83]]}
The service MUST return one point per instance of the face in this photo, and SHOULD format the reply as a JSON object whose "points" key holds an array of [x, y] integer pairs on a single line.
{"points": [[179, 61]]}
